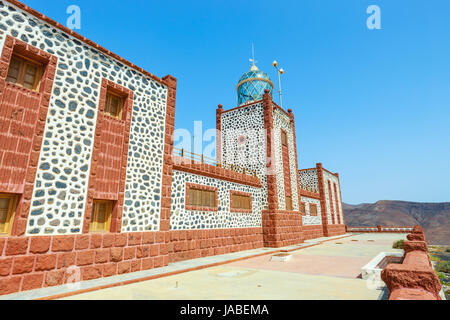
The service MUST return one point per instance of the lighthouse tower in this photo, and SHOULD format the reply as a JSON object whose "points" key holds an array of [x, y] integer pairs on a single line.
{"points": [[259, 136]]}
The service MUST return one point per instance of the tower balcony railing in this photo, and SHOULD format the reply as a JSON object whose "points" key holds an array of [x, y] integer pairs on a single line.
{"points": [[200, 158]]}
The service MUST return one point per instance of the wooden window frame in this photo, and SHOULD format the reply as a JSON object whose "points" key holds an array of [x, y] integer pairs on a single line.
{"points": [[13, 201], [109, 212], [122, 102], [25, 61], [313, 205], [240, 194], [200, 187]]}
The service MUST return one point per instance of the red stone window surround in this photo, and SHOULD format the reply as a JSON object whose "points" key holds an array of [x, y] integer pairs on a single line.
{"points": [[25, 110], [29, 56], [108, 126], [125, 100], [240, 193], [200, 187]]}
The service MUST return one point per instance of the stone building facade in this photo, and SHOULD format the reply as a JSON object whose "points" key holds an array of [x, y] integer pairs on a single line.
{"points": [[89, 181]]}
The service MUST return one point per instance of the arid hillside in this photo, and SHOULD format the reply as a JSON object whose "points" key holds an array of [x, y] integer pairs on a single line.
{"points": [[433, 217]]}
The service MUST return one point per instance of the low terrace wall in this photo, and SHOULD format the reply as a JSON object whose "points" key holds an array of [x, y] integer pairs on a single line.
{"points": [[393, 229], [415, 278]]}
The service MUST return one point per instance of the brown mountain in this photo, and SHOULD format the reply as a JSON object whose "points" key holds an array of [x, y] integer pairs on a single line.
{"points": [[433, 217]]}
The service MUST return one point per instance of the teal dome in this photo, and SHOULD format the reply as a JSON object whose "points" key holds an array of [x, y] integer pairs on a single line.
{"points": [[252, 84]]}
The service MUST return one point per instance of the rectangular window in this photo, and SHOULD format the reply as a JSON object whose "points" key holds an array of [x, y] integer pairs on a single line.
{"points": [[202, 198], [24, 72], [114, 104], [241, 202], [303, 208], [288, 203], [313, 209], [8, 203], [101, 216], [284, 138]]}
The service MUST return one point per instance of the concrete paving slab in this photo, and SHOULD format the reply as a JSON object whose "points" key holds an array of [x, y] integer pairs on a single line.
{"points": [[347, 267], [252, 284]]}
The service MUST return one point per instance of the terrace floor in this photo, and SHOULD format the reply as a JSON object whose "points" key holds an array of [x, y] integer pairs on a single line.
{"points": [[328, 270]]}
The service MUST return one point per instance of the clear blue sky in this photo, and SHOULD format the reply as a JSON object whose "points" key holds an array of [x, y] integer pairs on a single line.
{"points": [[373, 105]]}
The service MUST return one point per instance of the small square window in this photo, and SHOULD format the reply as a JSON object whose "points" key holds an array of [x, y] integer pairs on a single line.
{"points": [[101, 216], [8, 205], [24, 72], [114, 104]]}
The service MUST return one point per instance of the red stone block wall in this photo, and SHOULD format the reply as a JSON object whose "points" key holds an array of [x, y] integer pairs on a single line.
{"points": [[312, 232], [34, 262], [272, 195], [282, 228], [335, 230], [192, 244]]}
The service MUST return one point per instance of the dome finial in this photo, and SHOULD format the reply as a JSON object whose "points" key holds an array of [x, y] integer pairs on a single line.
{"points": [[252, 60]]}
